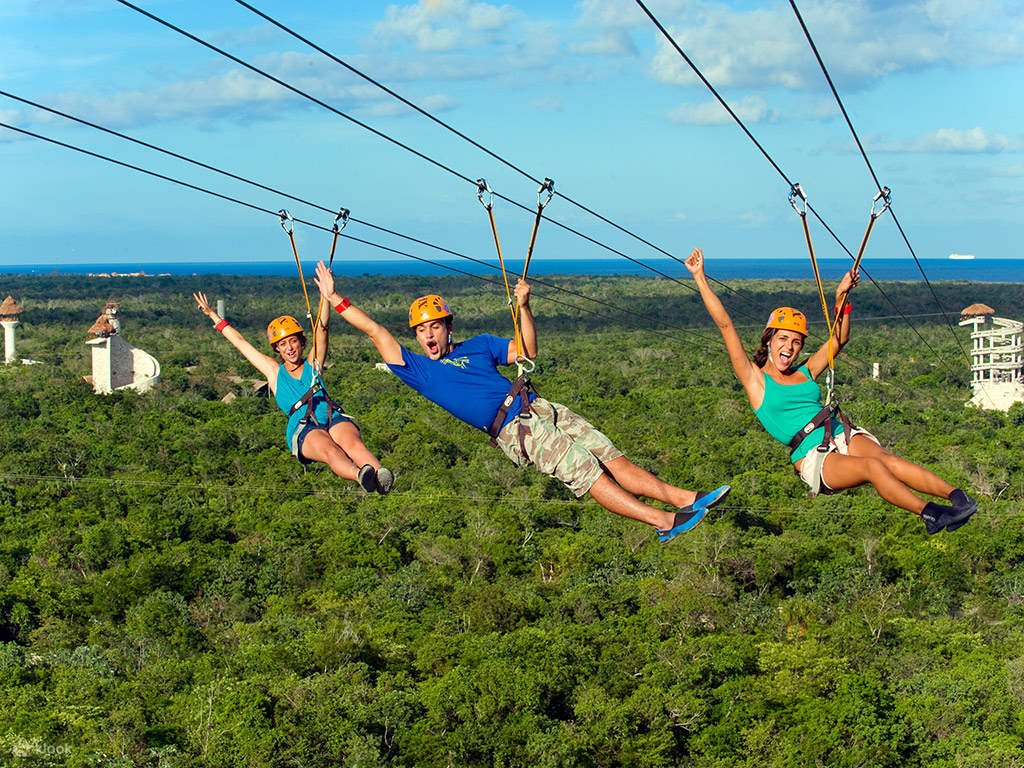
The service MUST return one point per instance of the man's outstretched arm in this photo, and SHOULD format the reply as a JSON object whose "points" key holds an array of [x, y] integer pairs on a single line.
{"points": [[390, 350]]}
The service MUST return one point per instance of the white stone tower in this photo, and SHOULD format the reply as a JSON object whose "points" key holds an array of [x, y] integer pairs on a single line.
{"points": [[9, 312], [115, 363], [997, 358]]}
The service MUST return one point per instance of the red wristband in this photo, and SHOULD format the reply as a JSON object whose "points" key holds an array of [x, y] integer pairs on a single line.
{"points": [[342, 305], [847, 308], [221, 326]]}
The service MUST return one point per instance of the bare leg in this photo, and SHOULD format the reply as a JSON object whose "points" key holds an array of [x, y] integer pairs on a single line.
{"points": [[639, 481], [346, 435], [840, 472], [318, 446], [917, 477], [613, 498]]}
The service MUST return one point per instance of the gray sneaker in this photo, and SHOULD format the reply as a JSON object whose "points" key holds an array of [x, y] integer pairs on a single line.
{"points": [[367, 479], [385, 481]]}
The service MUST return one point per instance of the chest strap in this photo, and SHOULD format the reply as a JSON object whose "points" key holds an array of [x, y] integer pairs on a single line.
{"points": [[520, 389], [306, 400]]}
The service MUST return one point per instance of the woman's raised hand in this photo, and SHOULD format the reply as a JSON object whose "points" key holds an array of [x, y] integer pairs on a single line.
{"points": [[849, 282], [695, 262], [204, 305]]}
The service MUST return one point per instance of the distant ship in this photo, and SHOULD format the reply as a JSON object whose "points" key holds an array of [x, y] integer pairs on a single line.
{"points": [[965, 256]]}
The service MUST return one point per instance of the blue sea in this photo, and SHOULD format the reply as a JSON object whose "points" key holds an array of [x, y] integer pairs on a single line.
{"points": [[976, 270]]}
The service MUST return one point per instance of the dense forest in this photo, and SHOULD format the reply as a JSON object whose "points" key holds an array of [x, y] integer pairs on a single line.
{"points": [[176, 590]]}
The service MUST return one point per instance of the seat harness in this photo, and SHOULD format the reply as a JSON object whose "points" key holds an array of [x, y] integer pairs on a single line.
{"points": [[522, 386]]}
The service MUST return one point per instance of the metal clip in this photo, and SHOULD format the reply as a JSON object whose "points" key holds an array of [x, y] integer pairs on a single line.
{"points": [[524, 363], [481, 190], [343, 218], [547, 186], [797, 192], [287, 223], [886, 197]]}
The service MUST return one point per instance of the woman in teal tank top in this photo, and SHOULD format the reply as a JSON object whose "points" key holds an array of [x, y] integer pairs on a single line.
{"points": [[317, 430], [785, 398]]}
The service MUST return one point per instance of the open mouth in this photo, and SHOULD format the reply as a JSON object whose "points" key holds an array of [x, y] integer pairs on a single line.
{"points": [[432, 347]]}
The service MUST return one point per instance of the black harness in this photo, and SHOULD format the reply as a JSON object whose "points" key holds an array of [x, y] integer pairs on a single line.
{"points": [[520, 389], [823, 417], [318, 388]]}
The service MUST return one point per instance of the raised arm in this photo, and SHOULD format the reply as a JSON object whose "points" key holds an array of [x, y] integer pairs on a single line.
{"points": [[526, 325], [265, 364], [748, 374], [390, 350], [318, 354], [818, 362]]}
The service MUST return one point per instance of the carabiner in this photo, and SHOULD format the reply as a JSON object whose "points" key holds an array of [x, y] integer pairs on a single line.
{"points": [[481, 189], [886, 197], [547, 186], [287, 223], [830, 382], [796, 191], [343, 218], [523, 368]]}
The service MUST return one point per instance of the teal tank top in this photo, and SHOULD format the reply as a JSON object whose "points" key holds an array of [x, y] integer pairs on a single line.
{"points": [[290, 390], [787, 408]]}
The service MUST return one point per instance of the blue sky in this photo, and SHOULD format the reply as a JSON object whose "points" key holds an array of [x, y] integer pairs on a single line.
{"points": [[586, 93]]}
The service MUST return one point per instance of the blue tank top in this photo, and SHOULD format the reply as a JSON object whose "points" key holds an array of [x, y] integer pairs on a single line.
{"points": [[787, 408], [290, 390]]}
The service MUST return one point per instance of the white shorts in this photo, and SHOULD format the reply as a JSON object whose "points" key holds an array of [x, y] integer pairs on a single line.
{"points": [[811, 464]]}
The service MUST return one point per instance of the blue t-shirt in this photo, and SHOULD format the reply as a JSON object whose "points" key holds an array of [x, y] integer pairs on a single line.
{"points": [[290, 390], [465, 382]]}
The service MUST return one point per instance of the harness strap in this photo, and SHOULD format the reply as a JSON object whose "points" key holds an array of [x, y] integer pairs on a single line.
{"points": [[822, 418], [520, 389], [307, 401]]}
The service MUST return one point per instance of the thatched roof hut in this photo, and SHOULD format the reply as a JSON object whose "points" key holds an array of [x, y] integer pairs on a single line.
{"points": [[977, 309], [103, 327], [9, 310]]}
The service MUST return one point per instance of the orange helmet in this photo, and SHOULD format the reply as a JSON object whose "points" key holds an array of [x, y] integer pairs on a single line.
{"points": [[427, 308], [281, 327], [787, 319]]}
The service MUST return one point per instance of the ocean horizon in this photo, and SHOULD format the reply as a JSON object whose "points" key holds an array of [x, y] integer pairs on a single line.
{"points": [[971, 270]]}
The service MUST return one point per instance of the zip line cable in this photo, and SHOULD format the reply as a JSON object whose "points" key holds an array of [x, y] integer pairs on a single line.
{"points": [[353, 238], [228, 174], [276, 191], [327, 493], [775, 165], [863, 153], [394, 141], [354, 70]]}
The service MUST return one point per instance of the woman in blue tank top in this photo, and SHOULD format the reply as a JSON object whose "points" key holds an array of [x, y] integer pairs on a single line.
{"points": [[317, 429], [785, 399]]}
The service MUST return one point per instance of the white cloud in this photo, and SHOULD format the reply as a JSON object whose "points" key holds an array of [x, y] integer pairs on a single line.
{"points": [[860, 40], [442, 25], [611, 42], [953, 141], [750, 109]]}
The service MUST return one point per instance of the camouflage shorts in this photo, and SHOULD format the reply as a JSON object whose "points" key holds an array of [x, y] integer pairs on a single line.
{"points": [[561, 444]]}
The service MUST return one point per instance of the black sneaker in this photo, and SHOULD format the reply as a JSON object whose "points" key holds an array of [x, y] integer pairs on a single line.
{"points": [[367, 478], [938, 517], [385, 480], [961, 501]]}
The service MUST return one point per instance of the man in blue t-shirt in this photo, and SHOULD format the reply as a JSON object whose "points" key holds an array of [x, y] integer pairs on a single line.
{"points": [[463, 378]]}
